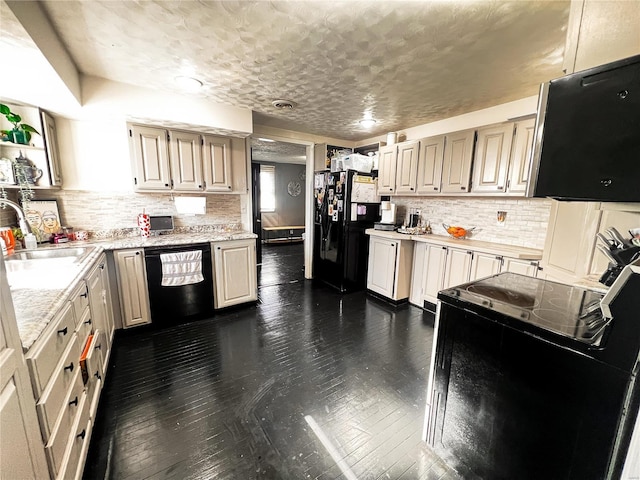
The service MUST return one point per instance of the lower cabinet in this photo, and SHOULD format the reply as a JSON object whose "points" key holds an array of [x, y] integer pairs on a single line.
{"points": [[436, 267], [389, 269], [234, 272], [132, 287], [66, 365]]}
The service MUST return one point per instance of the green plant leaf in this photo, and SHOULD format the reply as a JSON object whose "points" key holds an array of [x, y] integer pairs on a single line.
{"points": [[4, 109], [14, 118], [28, 128]]}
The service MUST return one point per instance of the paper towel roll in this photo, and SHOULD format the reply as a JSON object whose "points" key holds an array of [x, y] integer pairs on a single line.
{"points": [[392, 138], [385, 205]]}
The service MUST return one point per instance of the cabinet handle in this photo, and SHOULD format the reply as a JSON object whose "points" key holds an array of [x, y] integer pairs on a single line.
{"points": [[166, 184], [82, 434], [435, 188], [229, 187], [88, 322], [74, 402], [393, 244], [102, 266], [463, 188], [500, 187], [200, 187], [411, 188], [85, 294], [97, 375], [99, 346], [63, 331], [137, 253], [217, 248], [69, 367]]}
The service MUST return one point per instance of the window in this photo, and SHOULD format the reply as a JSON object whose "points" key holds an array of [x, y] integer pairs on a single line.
{"points": [[267, 188]]}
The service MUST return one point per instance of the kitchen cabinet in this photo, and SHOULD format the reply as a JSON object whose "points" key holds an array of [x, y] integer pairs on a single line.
{"points": [[491, 162], [458, 267], [132, 287], [437, 267], [389, 267], [234, 267], [100, 304], [22, 453], [182, 161], [456, 167], [407, 167], [51, 146], [502, 158], [430, 160], [387, 170], [217, 163]]}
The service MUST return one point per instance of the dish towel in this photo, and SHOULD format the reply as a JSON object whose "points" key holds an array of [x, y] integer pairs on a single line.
{"points": [[181, 268]]}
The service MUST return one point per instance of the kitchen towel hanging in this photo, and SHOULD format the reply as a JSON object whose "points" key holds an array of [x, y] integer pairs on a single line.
{"points": [[181, 268]]}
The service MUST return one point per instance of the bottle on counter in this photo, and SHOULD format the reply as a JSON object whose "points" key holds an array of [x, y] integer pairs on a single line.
{"points": [[30, 241]]}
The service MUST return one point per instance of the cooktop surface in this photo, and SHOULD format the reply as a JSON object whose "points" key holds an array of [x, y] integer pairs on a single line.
{"points": [[565, 310]]}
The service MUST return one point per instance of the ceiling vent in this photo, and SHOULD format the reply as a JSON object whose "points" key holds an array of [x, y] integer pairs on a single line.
{"points": [[283, 104]]}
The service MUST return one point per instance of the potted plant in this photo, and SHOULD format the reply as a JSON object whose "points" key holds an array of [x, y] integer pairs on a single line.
{"points": [[21, 132]]}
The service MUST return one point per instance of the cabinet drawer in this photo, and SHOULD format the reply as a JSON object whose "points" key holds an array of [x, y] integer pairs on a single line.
{"points": [[84, 328], [80, 301], [77, 446], [54, 404], [43, 357], [61, 442]]}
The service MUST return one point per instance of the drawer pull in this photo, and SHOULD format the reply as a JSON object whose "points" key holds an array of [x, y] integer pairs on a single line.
{"points": [[97, 375], [69, 367], [63, 331], [74, 402], [88, 322], [99, 346], [82, 434], [102, 266], [85, 294]]}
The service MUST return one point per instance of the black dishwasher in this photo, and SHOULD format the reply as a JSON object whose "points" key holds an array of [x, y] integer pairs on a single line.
{"points": [[171, 305]]}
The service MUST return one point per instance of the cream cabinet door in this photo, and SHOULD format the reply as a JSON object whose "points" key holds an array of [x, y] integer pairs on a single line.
{"points": [[456, 167], [382, 266], [430, 165], [132, 287], [100, 302], [53, 152], [484, 265], [216, 156], [407, 167], [521, 157], [458, 267], [418, 274], [523, 267], [435, 265], [387, 170], [186, 161], [491, 163], [21, 449], [150, 152], [235, 274]]}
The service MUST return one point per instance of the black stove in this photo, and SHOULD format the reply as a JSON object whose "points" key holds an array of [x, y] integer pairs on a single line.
{"points": [[539, 305]]}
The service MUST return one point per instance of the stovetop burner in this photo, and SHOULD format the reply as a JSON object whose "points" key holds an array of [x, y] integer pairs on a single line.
{"points": [[565, 310]]}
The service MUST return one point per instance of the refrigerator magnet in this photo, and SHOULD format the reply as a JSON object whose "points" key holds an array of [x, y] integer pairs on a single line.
{"points": [[331, 195], [339, 205], [335, 216], [330, 209]]}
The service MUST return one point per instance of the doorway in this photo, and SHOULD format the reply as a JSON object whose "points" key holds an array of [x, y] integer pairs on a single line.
{"points": [[279, 204]]}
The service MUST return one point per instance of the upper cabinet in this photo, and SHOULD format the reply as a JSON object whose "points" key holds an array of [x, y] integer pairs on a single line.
{"points": [[456, 167], [407, 167], [38, 159], [387, 160], [502, 158], [430, 165], [179, 161]]}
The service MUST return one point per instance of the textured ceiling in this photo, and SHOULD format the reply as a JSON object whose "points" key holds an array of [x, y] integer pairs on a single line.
{"points": [[279, 152], [405, 63]]}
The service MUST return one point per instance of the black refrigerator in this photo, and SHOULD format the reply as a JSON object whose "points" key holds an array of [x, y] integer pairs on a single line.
{"points": [[346, 204]]}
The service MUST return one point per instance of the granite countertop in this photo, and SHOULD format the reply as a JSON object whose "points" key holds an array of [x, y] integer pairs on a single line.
{"points": [[475, 245], [39, 288]]}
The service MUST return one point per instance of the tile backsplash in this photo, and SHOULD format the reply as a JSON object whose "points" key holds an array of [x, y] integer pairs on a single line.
{"points": [[525, 224], [103, 213]]}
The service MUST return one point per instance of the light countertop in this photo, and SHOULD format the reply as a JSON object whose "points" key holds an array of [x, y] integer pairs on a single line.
{"points": [[475, 245], [40, 288]]}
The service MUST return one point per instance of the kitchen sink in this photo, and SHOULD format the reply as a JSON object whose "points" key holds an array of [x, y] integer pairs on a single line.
{"points": [[76, 253]]}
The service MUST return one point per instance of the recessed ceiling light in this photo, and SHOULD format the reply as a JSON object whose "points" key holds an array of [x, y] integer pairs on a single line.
{"points": [[284, 104], [367, 122], [265, 139], [188, 83]]}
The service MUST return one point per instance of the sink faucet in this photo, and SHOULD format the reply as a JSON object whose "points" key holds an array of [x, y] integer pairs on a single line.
{"points": [[22, 220]]}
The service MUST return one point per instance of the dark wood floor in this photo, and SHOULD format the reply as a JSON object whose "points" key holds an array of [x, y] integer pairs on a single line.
{"points": [[307, 383]]}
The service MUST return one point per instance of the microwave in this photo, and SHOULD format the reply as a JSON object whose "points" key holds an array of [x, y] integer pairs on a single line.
{"points": [[587, 139]]}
